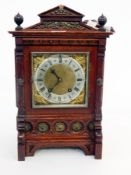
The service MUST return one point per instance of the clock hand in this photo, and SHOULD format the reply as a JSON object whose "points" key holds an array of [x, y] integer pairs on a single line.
{"points": [[54, 72], [58, 81]]}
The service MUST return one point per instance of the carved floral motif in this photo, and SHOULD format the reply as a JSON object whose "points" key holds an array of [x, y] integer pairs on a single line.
{"points": [[60, 25], [61, 11]]}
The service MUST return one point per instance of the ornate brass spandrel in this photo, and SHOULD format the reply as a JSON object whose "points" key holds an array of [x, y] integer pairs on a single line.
{"points": [[36, 61], [37, 98], [82, 59], [80, 99]]}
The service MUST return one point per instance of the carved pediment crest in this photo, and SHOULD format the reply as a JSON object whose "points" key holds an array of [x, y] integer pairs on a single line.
{"points": [[61, 11]]}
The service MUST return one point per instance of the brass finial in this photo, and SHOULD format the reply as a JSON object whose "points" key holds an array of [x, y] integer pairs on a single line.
{"points": [[61, 7]]}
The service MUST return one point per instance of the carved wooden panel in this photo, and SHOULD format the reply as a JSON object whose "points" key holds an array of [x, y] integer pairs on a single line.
{"points": [[63, 42]]}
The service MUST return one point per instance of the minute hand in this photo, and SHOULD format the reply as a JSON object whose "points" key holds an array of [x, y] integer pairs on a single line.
{"points": [[56, 84], [58, 81]]}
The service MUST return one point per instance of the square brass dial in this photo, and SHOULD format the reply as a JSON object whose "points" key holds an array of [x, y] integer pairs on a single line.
{"points": [[59, 79]]}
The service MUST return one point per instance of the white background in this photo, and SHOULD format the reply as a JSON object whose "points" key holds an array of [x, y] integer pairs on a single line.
{"points": [[116, 101]]}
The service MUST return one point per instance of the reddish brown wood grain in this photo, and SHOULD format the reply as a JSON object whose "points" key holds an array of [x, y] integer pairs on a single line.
{"points": [[89, 139], [28, 84]]}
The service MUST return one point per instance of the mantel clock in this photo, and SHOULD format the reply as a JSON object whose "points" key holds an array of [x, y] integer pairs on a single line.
{"points": [[59, 78]]}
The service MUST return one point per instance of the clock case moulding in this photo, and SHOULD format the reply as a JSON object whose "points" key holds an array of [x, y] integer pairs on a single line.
{"points": [[60, 29]]}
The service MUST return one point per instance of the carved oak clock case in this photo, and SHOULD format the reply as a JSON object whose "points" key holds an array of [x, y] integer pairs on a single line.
{"points": [[59, 78]]}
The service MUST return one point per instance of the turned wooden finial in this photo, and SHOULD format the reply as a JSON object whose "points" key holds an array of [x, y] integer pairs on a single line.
{"points": [[101, 22], [18, 20]]}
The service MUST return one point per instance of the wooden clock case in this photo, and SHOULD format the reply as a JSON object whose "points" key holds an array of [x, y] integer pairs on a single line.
{"points": [[60, 29]]}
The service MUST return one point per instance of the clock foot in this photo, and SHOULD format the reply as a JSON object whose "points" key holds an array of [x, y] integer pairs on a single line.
{"points": [[32, 147], [21, 147], [21, 153], [98, 151], [88, 149], [98, 144]]}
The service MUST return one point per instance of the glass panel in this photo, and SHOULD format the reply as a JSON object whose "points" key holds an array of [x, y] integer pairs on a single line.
{"points": [[59, 79]]}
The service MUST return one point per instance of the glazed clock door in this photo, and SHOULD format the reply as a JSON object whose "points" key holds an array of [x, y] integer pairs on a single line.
{"points": [[59, 79]]}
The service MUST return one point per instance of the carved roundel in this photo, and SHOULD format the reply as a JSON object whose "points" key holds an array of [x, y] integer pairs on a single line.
{"points": [[90, 126], [28, 126], [43, 127], [60, 126], [77, 126]]}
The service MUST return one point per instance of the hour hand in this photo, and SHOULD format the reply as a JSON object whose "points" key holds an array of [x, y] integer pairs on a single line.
{"points": [[54, 72]]}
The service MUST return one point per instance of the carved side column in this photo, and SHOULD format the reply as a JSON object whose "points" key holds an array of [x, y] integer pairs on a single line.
{"points": [[20, 98], [98, 99]]}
